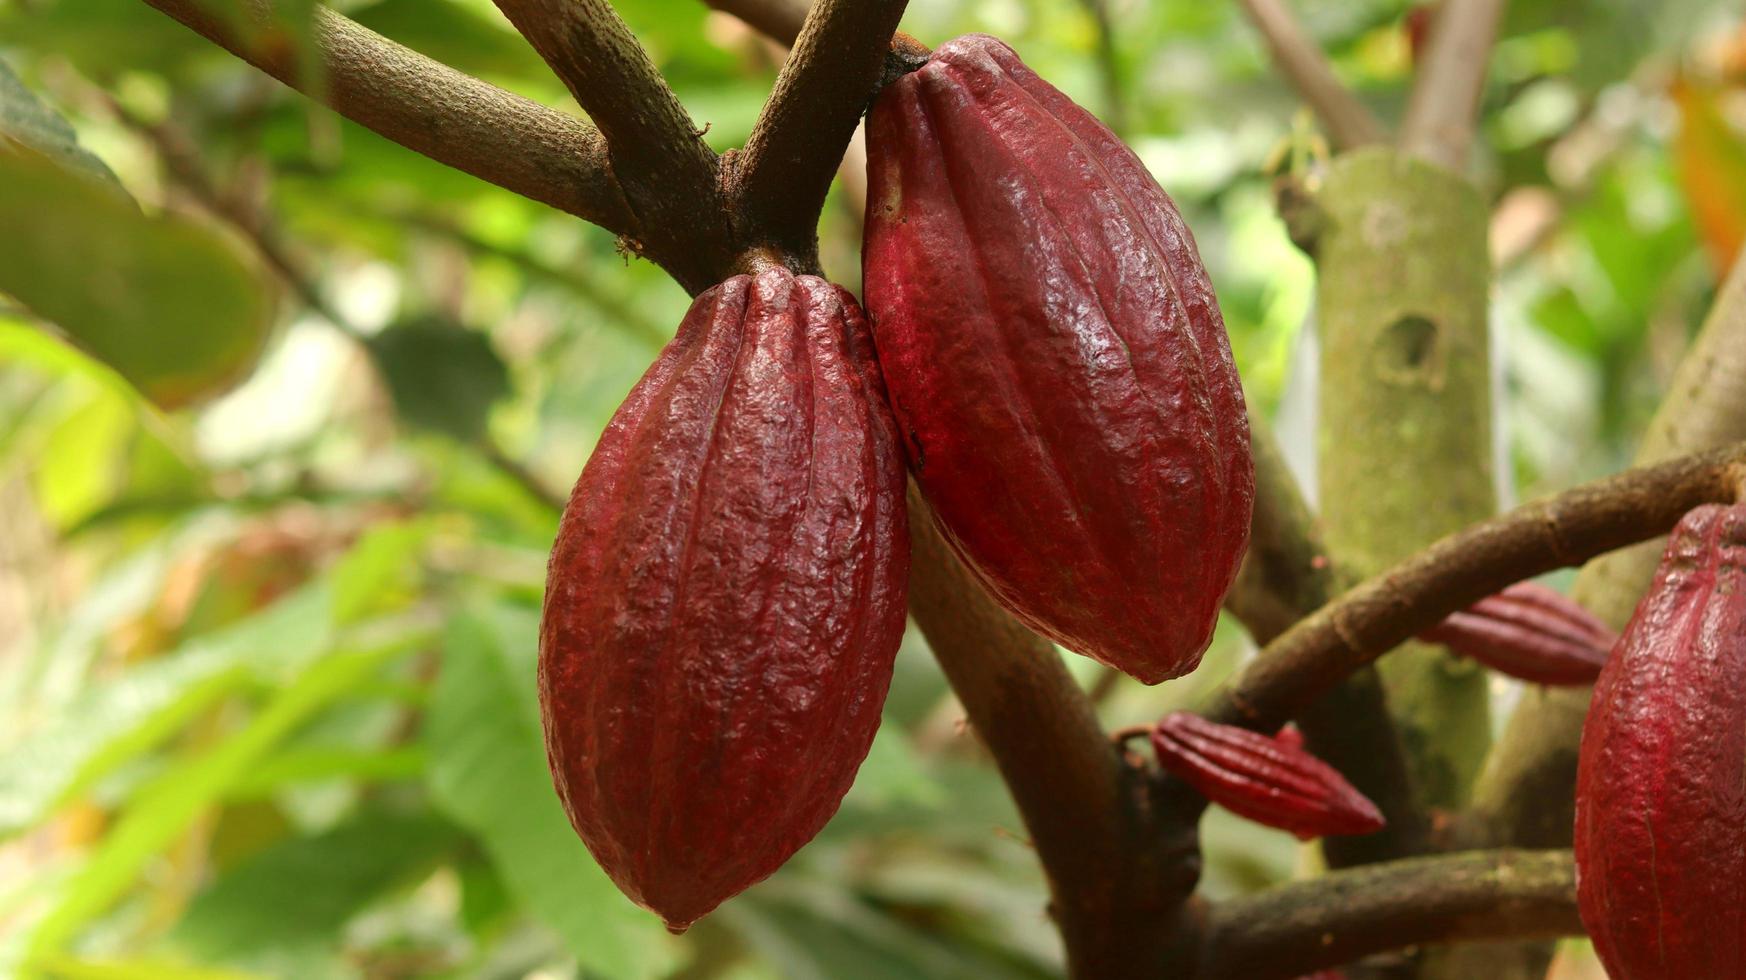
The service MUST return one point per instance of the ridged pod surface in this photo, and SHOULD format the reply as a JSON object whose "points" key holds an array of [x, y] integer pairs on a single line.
{"points": [[726, 597], [1269, 780], [1530, 632], [1056, 360], [1661, 778]]}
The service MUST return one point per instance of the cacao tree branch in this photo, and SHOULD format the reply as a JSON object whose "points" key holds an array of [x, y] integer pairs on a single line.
{"points": [[427, 107], [1117, 884], [669, 174], [1291, 929], [1444, 105], [788, 161], [1385, 611], [1301, 60]]}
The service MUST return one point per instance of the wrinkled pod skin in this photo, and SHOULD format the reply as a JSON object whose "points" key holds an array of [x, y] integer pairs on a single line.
{"points": [[1529, 632], [726, 597], [1661, 777], [1056, 361], [1272, 780]]}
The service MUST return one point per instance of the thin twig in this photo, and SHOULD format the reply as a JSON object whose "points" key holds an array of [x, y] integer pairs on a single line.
{"points": [[1301, 60], [778, 20], [441, 113], [793, 152], [182, 160], [1295, 928], [1380, 614], [1109, 65], [668, 172], [1444, 106]]}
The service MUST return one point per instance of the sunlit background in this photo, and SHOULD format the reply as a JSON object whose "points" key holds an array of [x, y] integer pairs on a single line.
{"points": [[266, 659]]}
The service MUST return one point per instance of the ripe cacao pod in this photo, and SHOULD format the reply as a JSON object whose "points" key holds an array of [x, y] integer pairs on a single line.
{"points": [[1530, 632], [1661, 777], [1056, 361], [1267, 780], [726, 596]]}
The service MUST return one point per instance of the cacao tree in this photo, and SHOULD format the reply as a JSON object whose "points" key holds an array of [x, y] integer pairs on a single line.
{"points": [[917, 436]]}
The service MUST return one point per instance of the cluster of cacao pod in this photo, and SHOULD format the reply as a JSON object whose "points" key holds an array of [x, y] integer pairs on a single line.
{"points": [[1661, 776], [727, 590]]}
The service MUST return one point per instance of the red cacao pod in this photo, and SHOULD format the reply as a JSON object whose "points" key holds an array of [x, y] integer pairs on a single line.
{"points": [[1661, 778], [1531, 632], [726, 597], [1056, 361], [1267, 780]]}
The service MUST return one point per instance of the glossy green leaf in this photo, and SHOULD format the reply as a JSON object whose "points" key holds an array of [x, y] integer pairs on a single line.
{"points": [[25, 119], [302, 891], [170, 304]]}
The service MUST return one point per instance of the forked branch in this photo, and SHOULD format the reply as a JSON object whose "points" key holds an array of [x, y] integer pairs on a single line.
{"points": [[787, 165], [1301, 60], [1444, 106], [668, 172]]}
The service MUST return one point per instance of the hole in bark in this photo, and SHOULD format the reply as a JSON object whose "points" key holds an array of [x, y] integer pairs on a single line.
{"points": [[1410, 344]]}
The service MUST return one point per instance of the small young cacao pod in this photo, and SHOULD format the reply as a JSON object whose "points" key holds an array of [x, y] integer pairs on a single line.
{"points": [[1661, 778], [1056, 361], [1265, 779], [726, 596], [1530, 632]]}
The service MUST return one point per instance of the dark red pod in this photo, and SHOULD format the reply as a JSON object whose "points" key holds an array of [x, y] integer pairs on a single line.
{"points": [[1531, 632], [1267, 780], [1056, 360], [1661, 778], [726, 597]]}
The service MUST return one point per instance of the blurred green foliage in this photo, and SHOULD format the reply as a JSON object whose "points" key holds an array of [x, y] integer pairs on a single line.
{"points": [[266, 698]]}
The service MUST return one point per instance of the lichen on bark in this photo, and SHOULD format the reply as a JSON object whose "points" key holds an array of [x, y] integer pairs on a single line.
{"points": [[1404, 442]]}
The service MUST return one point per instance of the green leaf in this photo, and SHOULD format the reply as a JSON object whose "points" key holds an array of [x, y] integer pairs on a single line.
{"points": [[83, 471], [302, 891], [76, 968], [380, 572], [815, 932], [23, 117], [112, 723], [171, 802], [169, 304], [441, 376], [308, 765], [488, 772]]}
